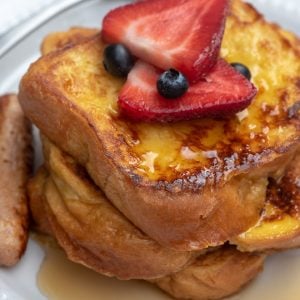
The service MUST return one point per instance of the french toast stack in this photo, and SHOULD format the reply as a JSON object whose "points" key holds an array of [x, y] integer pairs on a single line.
{"points": [[192, 206]]}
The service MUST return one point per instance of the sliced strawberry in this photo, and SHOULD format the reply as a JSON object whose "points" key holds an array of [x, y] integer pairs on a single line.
{"points": [[224, 91], [181, 34]]}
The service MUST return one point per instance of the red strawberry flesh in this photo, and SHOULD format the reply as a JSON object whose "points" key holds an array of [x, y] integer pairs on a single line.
{"points": [[223, 92], [181, 34]]}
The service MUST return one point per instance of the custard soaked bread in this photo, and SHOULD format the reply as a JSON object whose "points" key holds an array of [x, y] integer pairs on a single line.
{"points": [[186, 184], [214, 275], [90, 229], [96, 235], [92, 233], [72, 194]]}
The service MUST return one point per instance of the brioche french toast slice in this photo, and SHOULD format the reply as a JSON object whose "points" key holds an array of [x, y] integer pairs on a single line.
{"points": [[67, 204], [59, 40], [15, 166], [279, 225], [35, 190], [186, 184], [209, 275]]}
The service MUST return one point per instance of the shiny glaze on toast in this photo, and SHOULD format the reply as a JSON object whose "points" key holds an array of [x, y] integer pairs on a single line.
{"points": [[194, 153], [168, 178], [279, 225]]}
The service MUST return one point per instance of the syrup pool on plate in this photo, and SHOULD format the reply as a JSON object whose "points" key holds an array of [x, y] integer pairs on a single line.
{"points": [[61, 279]]}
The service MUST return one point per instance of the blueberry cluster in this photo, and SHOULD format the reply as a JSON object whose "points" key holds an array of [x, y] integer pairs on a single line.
{"points": [[171, 84]]}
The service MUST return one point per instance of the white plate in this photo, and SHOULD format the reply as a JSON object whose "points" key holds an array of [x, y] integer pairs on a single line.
{"points": [[280, 278]]}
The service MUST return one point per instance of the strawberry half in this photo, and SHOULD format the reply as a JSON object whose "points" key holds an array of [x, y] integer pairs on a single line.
{"points": [[224, 91], [182, 34]]}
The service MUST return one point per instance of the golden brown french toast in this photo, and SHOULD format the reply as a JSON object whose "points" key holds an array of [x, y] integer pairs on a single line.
{"points": [[279, 225], [90, 230], [15, 166], [187, 184], [214, 275], [79, 218], [59, 40]]}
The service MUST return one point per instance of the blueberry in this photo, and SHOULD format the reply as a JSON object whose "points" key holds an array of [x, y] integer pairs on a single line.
{"points": [[242, 69], [117, 60], [172, 84]]}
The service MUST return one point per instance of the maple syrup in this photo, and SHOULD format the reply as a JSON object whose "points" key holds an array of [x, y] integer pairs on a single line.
{"points": [[61, 279]]}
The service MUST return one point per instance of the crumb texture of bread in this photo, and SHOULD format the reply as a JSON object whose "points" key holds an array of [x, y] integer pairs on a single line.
{"points": [[186, 185], [15, 166]]}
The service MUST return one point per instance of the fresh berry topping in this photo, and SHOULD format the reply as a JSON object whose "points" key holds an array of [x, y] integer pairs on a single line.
{"points": [[181, 34], [224, 91], [242, 69], [172, 84], [117, 60]]}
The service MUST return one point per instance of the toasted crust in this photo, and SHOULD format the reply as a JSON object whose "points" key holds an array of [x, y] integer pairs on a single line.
{"points": [[278, 228], [183, 201], [90, 230], [213, 276], [15, 166], [59, 40], [70, 201], [279, 225], [35, 188]]}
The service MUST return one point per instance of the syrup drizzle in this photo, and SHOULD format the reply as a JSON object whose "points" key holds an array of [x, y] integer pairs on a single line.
{"points": [[60, 279]]}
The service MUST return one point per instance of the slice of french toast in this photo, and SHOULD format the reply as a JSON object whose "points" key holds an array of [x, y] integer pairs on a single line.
{"points": [[96, 235], [15, 166], [186, 184], [278, 227], [67, 204]]}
